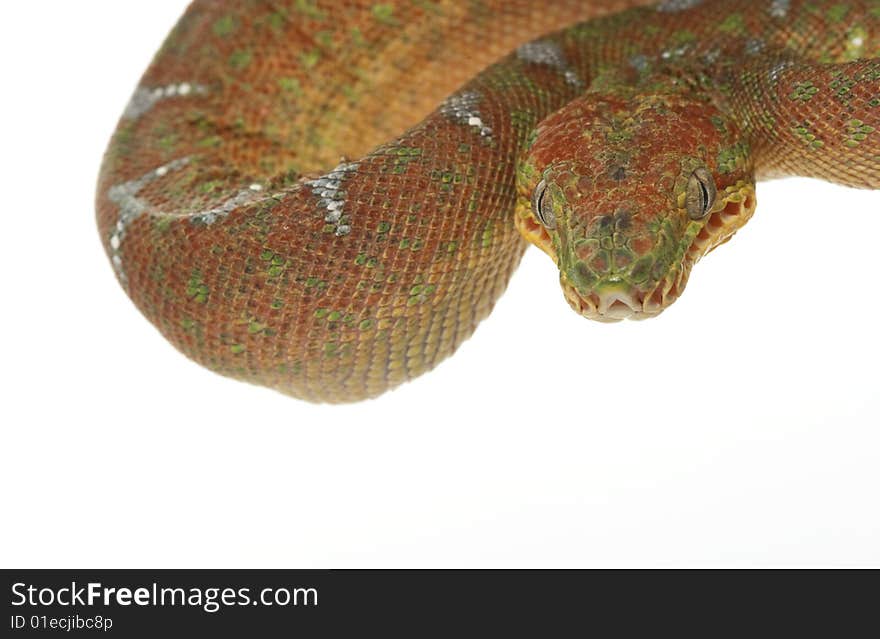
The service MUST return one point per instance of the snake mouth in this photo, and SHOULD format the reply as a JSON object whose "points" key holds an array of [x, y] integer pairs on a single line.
{"points": [[619, 302], [613, 306]]}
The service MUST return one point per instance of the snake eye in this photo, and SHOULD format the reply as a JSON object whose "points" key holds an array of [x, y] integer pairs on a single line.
{"points": [[701, 194], [542, 206]]}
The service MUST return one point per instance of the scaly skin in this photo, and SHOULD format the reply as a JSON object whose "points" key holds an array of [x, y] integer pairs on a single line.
{"points": [[228, 225]]}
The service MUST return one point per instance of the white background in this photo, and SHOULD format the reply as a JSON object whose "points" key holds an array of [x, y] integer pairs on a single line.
{"points": [[741, 428]]}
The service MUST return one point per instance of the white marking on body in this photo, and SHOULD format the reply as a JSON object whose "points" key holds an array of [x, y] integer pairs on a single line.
{"points": [[779, 8], [550, 54], [212, 215], [328, 188], [675, 53], [674, 6], [712, 56], [640, 63], [145, 98], [777, 70], [754, 46], [463, 108], [131, 206]]}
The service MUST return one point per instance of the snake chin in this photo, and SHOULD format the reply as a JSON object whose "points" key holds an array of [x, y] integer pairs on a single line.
{"points": [[617, 303]]}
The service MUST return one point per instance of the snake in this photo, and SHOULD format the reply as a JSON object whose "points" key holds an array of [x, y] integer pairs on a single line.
{"points": [[326, 198]]}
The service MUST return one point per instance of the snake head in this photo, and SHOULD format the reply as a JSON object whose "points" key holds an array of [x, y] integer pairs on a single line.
{"points": [[626, 192]]}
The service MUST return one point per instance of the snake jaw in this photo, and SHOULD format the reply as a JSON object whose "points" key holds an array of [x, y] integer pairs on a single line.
{"points": [[534, 232], [734, 210]]}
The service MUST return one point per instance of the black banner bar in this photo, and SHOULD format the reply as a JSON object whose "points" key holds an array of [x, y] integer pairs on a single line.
{"points": [[285, 603]]}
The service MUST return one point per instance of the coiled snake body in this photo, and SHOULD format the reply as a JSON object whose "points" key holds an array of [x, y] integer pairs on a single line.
{"points": [[262, 207]]}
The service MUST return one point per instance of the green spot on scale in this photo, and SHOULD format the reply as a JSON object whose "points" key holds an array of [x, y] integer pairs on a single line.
{"points": [[384, 13], [310, 58], [224, 26], [240, 60]]}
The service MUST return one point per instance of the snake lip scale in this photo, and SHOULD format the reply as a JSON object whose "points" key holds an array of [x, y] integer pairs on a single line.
{"points": [[327, 198]]}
